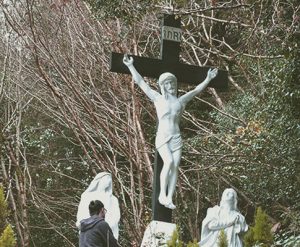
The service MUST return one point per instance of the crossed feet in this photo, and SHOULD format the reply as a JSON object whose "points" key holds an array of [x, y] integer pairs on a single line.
{"points": [[163, 200]]}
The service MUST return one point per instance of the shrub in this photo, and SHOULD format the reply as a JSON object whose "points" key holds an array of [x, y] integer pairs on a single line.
{"points": [[7, 238], [222, 239], [260, 233], [3, 210], [193, 244], [174, 241]]}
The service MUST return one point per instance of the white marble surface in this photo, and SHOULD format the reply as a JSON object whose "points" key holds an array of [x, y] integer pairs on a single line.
{"points": [[224, 217], [157, 234], [101, 189], [169, 109]]}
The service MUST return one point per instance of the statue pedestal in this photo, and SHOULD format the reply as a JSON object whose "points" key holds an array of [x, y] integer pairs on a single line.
{"points": [[158, 233]]}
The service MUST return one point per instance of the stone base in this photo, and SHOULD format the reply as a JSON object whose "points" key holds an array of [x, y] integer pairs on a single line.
{"points": [[157, 234]]}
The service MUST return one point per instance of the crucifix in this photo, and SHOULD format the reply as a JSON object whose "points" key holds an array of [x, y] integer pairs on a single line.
{"points": [[169, 70]]}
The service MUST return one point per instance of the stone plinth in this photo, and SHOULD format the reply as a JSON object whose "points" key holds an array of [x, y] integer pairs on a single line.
{"points": [[157, 234]]}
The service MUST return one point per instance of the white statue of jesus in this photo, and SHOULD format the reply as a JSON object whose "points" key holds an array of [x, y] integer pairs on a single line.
{"points": [[169, 110]]}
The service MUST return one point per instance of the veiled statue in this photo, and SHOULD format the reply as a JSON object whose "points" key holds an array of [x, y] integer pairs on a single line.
{"points": [[101, 189], [224, 217]]}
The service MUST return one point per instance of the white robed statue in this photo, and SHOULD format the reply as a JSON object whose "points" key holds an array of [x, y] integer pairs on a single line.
{"points": [[169, 110], [224, 217], [101, 189]]}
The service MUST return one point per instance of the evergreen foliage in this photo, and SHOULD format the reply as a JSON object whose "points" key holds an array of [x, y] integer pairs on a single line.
{"points": [[193, 244], [75, 118], [260, 233], [4, 212], [121, 9], [289, 235], [222, 239], [7, 238], [175, 241]]}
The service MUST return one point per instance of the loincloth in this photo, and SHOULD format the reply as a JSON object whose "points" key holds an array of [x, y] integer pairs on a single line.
{"points": [[174, 141]]}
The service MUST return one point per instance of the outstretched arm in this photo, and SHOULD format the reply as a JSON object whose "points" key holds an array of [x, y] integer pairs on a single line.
{"points": [[128, 61], [211, 74]]}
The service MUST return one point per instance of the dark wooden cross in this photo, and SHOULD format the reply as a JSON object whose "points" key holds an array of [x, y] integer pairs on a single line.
{"points": [[168, 62]]}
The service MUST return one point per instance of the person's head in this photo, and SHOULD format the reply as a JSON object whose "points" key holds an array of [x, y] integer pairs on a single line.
{"points": [[96, 207], [229, 198], [167, 83]]}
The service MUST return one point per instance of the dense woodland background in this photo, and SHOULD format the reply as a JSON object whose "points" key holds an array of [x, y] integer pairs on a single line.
{"points": [[65, 117]]}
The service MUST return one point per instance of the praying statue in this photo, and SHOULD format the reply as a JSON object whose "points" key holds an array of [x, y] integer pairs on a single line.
{"points": [[101, 189], [225, 217], [169, 110]]}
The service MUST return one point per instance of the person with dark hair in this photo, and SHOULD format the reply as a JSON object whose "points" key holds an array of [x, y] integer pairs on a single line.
{"points": [[94, 231]]}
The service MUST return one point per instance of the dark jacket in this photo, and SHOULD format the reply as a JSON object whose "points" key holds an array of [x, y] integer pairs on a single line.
{"points": [[95, 232]]}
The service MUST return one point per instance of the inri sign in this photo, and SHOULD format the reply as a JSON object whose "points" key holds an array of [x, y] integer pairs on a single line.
{"points": [[171, 33]]}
